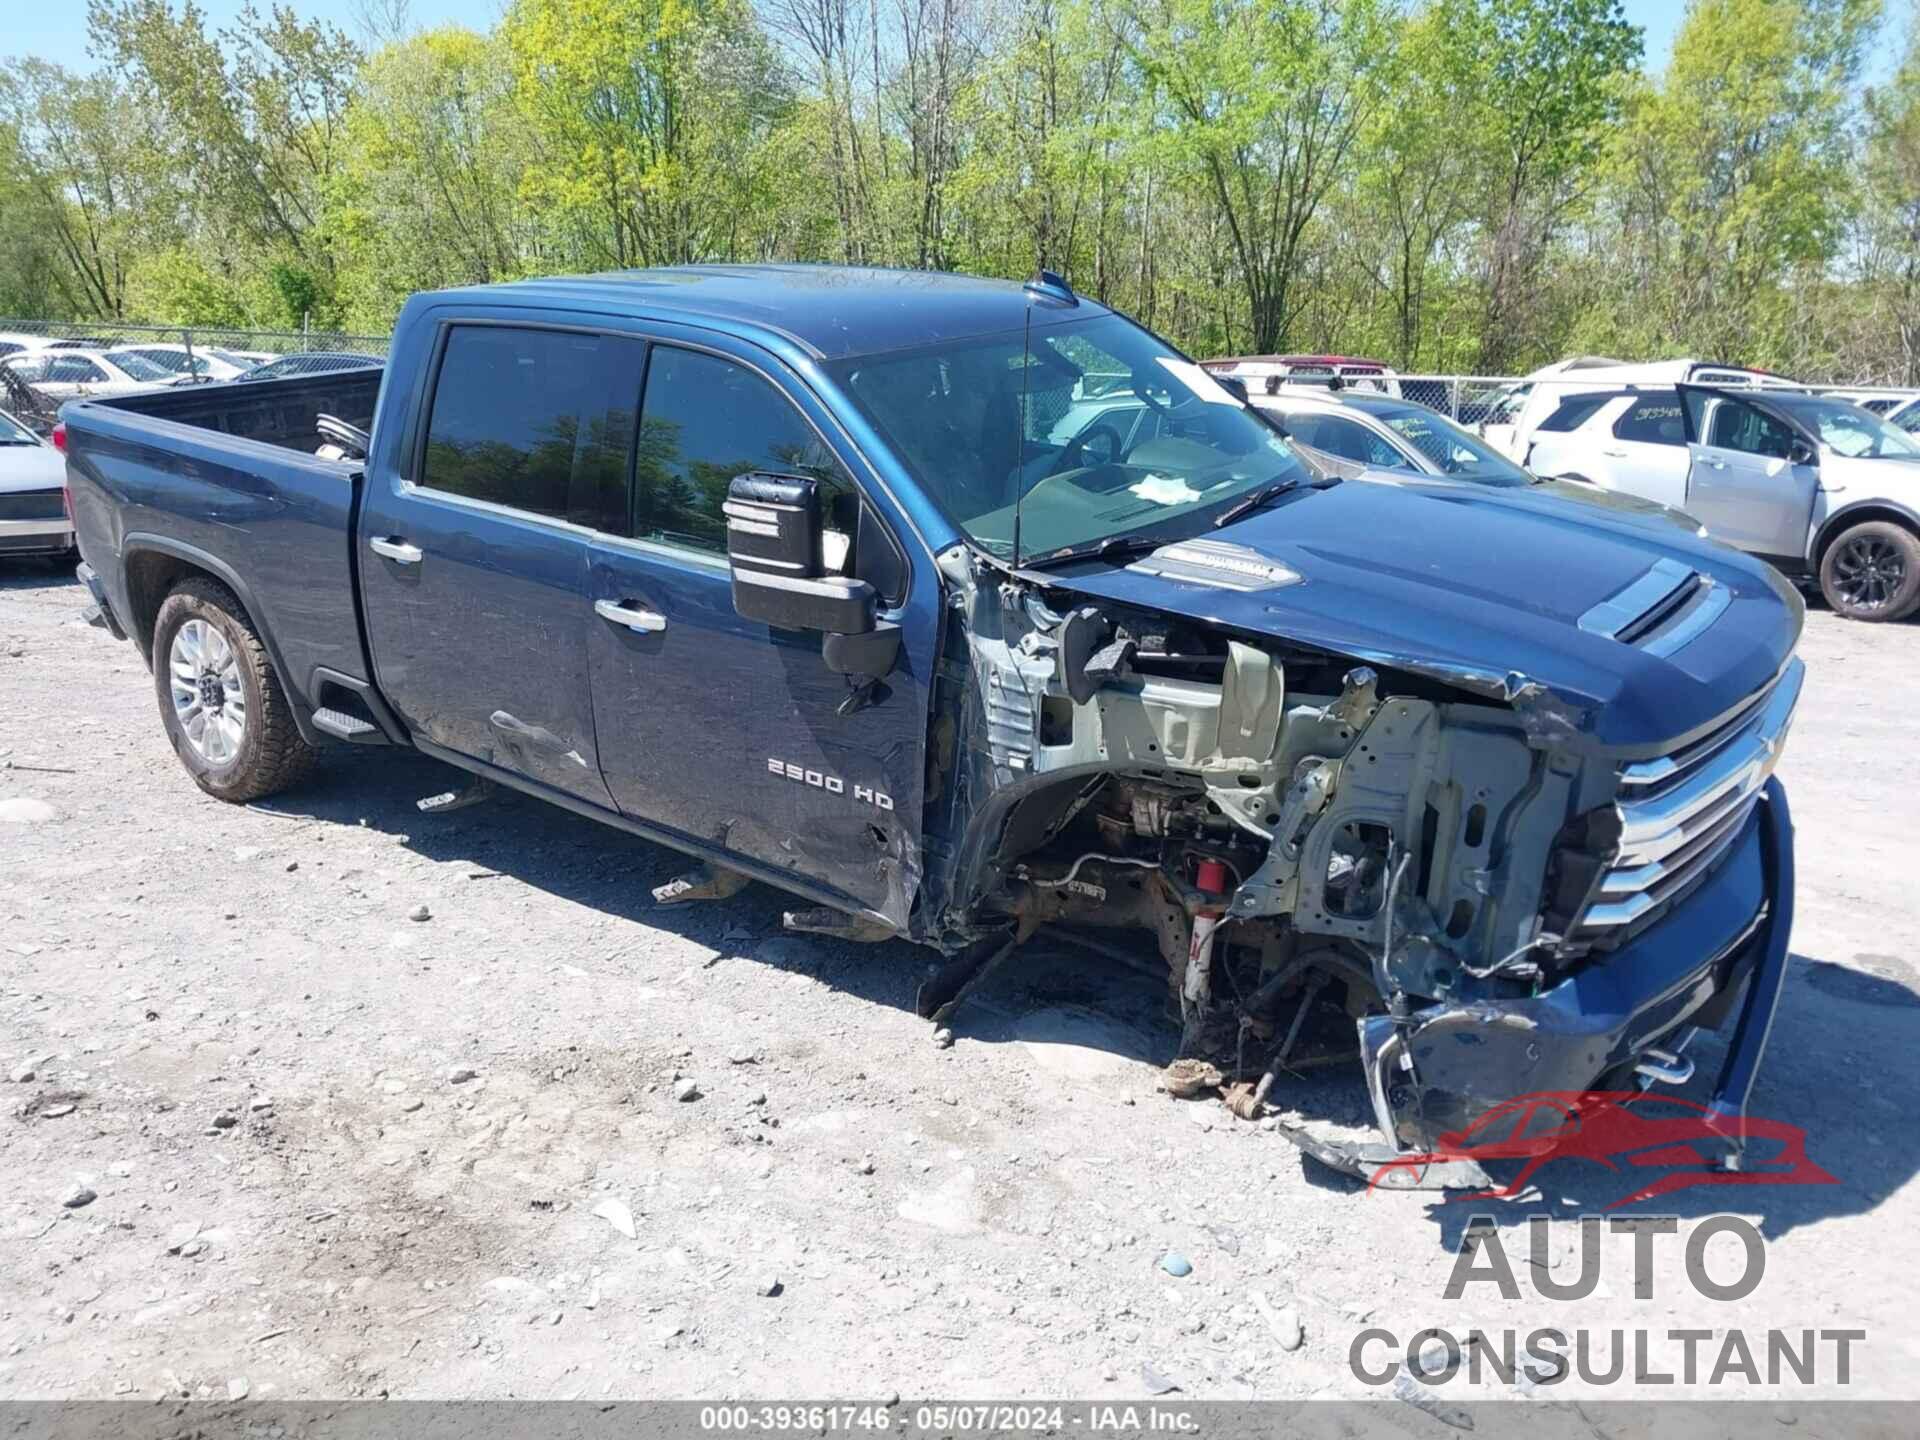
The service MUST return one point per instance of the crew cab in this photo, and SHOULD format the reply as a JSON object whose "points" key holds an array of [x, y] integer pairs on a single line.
{"points": [[789, 569]]}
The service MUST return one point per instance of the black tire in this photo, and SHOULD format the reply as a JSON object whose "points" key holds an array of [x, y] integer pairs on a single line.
{"points": [[1872, 572], [255, 753]]}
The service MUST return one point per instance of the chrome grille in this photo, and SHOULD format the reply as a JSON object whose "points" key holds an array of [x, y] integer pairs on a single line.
{"points": [[1679, 812]]}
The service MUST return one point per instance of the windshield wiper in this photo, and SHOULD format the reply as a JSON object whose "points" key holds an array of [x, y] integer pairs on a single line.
{"points": [[1262, 496], [1111, 548]]}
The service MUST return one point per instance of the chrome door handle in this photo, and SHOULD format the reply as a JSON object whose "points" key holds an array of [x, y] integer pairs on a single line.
{"points": [[398, 551], [1615, 454], [620, 613]]}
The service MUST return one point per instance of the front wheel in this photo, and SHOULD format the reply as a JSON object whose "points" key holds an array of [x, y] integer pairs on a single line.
{"points": [[222, 705], [1872, 572]]}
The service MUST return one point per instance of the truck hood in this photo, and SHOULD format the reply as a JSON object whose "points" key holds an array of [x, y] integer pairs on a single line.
{"points": [[1486, 589]]}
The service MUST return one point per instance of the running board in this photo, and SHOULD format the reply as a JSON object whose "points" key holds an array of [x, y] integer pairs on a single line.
{"points": [[350, 728]]}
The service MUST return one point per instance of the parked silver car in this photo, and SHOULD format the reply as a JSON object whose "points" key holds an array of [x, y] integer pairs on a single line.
{"points": [[1377, 437], [64, 373], [33, 509]]}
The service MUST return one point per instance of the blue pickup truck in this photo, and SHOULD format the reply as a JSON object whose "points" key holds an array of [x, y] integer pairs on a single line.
{"points": [[849, 582]]}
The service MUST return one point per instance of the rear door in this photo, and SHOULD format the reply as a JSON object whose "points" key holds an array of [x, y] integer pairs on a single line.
{"points": [[725, 730], [474, 561], [1743, 482], [1645, 451]]}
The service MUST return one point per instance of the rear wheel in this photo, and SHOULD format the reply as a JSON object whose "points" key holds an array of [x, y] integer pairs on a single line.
{"points": [[1872, 572], [222, 705]]}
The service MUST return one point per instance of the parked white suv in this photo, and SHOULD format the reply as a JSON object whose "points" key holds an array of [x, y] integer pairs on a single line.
{"points": [[1632, 440], [1516, 412], [1824, 489]]}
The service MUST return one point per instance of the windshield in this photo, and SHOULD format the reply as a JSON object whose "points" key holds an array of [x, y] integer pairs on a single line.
{"points": [[12, 432], [1453, 450], [174, 362], [138, 367], [1848, 430], [1100, 431]]}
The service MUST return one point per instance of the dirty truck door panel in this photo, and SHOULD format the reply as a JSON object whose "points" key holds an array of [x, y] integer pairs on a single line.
{"points": [[474, 564], [721, 728], [1744, 485]]}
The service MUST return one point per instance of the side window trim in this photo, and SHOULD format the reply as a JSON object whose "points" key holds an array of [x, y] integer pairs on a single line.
{"points": [[410, 478], [650, 331]]}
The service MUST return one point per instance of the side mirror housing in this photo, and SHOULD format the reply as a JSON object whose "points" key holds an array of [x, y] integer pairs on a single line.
{"points": [[775, 548], [1801, 453]]}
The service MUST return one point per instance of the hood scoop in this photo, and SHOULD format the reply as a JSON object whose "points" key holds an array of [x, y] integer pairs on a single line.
{"points": [[1661, 611], [1218, 564]]}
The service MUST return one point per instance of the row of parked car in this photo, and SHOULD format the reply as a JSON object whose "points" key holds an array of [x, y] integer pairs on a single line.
{"points": [[88, 367], [40, 373], [1822, 486]]}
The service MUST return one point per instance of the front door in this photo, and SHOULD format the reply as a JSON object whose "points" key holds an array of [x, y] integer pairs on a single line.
{"points": [[474, 566], [722, 729], [1744, 482]]}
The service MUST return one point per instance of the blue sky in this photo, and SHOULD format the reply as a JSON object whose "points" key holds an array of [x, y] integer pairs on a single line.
{"points": [[57, 29]]}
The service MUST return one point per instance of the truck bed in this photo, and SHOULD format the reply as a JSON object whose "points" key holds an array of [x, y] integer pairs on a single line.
{"points": [[224, 477]]}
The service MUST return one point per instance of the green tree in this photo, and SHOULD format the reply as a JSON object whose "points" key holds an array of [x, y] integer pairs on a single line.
{"points": [[1259, 106], [1734, 178], [93, 191], [427, 194], [1551, 82], [258, 111], [645, 119]]}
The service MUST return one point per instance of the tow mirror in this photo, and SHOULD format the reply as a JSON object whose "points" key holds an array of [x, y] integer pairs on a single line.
{"points": [[776, 541]]}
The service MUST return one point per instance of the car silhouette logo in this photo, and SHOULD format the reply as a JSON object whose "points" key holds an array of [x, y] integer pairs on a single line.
{"points": [[1658, 1143]]}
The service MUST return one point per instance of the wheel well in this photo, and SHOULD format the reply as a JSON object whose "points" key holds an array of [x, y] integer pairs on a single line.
{"points": [[151, 577], [1840, 524]]}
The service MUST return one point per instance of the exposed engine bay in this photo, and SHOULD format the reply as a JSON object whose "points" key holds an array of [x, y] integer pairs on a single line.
{"points": [[1319, 848]]}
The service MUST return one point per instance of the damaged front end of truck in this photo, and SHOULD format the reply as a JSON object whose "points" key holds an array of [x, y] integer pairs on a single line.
{"points": [[1436, 873]]}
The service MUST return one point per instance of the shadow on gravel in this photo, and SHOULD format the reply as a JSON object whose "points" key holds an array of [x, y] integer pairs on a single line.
{"points": [[587, 863], [1841, 1062], [1841, 1065]]}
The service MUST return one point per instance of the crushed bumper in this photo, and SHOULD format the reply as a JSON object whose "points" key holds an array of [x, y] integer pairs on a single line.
{"points": [[1440, 1069]]}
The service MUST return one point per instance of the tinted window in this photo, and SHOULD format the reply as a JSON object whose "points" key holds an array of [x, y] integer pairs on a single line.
{"points": [[1736, 427], [1574, 412], [1654, 420], [72, 370], [704, 421], [540, 420], [1353, 441]]}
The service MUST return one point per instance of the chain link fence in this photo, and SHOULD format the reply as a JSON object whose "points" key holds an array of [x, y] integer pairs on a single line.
{"points": [[177, 354], [44, 363]]}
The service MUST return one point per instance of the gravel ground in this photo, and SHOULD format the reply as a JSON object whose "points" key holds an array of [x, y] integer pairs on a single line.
{"points": [[259, 1065]]}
